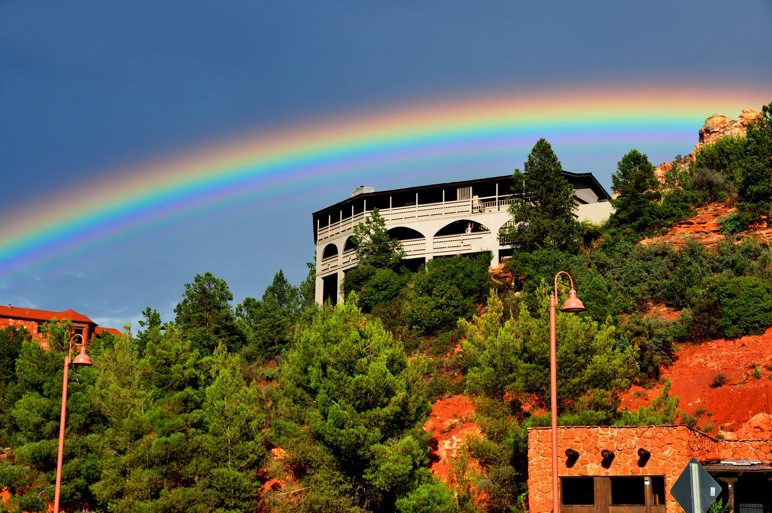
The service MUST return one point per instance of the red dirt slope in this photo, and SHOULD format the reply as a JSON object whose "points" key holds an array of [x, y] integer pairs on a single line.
{"points": [[450, 421], [738, 408]]}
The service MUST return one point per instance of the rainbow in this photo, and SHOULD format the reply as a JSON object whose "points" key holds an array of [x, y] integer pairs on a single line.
{"points": [[397, 139]]}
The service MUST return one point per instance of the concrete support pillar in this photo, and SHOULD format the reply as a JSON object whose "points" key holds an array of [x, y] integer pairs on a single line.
{"points": [[319, 284], [339, 276]]}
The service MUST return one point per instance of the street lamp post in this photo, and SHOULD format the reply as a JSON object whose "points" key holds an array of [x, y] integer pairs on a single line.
{"points": [[573, 304], [81, 359]]}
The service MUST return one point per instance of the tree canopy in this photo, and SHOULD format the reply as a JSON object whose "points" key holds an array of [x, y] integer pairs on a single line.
{"points": [[543, 203]]}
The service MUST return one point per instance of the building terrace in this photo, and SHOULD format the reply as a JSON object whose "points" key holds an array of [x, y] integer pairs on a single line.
{"points": [[435, 220]]}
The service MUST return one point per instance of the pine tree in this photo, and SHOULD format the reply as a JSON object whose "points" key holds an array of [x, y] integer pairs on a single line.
{"points": [[543, 204], [636, 188], [205, 315]]}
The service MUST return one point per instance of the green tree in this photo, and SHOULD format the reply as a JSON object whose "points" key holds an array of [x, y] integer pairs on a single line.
{"points": [[11, 340], [636, 188], [268, 322], [205, 314], [374, 245], [754, 190], [349, 408], [31, 426], [513, 359], [152, 456], [232, 439], [448, 289], [543, 203]]}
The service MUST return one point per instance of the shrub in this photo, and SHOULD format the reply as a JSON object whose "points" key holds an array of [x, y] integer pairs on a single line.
{"points": [[746, 306], [718, 380], [446, 291], [733, 223]]}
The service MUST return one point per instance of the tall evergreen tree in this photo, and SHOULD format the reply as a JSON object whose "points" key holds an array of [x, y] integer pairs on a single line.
{"points": [[205, 315], [267, 323], [350, 407], [636, 186], [543, 204], [374, 245]]}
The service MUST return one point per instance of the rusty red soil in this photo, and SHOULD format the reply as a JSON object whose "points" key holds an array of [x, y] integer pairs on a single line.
{"points": [[738, 408], [662, 312], [704, 227], [451, 420]]}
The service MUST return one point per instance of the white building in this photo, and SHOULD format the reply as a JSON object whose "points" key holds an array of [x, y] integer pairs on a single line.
{"points": [[433, 220]]}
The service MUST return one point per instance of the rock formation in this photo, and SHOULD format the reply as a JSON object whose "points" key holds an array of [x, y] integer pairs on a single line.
{"points": [[714, 128]]}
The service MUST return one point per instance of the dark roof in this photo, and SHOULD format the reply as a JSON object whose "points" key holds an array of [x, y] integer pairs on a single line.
{"points": [[574, 178]]}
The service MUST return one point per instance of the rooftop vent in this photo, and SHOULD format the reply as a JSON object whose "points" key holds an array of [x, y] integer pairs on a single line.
{"points": [[362, 189]]}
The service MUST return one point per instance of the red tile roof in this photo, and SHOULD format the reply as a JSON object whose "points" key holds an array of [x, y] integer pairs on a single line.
{"points": [[112, 331], [43, 315]]}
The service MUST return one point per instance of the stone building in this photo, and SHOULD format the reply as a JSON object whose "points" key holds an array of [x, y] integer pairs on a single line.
{"points": [[432, 221], [633, 469], [34, 320]]}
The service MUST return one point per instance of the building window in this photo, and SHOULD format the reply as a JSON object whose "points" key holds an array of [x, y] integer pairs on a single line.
{"points": [[628, 491], [463, 193], [658, 489], [577, 491]]}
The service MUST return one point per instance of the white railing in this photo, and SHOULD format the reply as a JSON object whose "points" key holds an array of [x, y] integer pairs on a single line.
{"points": [[471, 206], [413, 248]]}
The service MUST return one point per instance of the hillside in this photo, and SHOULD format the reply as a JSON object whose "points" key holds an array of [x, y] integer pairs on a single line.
{"points": [[740, 408], [725, 384]]}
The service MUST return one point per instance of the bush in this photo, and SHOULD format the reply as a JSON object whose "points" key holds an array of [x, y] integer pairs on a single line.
{"points": [[718, 380], [446, 291], [733, 223], [746, 306]]}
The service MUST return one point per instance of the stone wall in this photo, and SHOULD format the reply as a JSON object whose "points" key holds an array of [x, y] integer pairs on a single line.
{"points": [[671, 448], [32, 327]]}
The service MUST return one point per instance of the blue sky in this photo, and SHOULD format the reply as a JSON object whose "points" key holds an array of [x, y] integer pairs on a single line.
{"points": [[88, 87]]}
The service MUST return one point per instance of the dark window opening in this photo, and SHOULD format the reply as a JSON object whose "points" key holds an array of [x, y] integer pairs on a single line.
{"points": [[628, 491], [577, 491], [330, 288], [658, 490], [329, 251]]}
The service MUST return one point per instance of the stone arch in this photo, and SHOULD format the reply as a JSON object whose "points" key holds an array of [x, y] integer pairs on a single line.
{"points": [[330, 250], [405, 233], [349, 244], [459, 227]]}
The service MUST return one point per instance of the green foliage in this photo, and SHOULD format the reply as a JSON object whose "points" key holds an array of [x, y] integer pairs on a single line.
{"points": [[754, 187], [268, 323], [431, 497], [447, 290], [724, 156], [543, 204], [731, 306], [11, 341], [652, 339], [374, 246], [746, 306], [349, 402], [662, 411], [513, 359], [205, 315], [745, 167], [636, 188]]}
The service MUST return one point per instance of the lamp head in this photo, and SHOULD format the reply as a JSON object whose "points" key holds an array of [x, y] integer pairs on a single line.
{"points": [[82, 358], [573, 304]]}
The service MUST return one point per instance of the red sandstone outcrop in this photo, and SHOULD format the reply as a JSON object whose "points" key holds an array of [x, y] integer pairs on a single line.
{"points": [[714, 128]]}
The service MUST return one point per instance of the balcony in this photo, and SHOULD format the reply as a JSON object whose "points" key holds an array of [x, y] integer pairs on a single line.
{"points": [[442, 209], [414, 248]]}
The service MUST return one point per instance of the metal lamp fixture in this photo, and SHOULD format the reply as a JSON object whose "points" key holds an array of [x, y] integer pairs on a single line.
{"points": [[572, 305], [81, 359]]}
